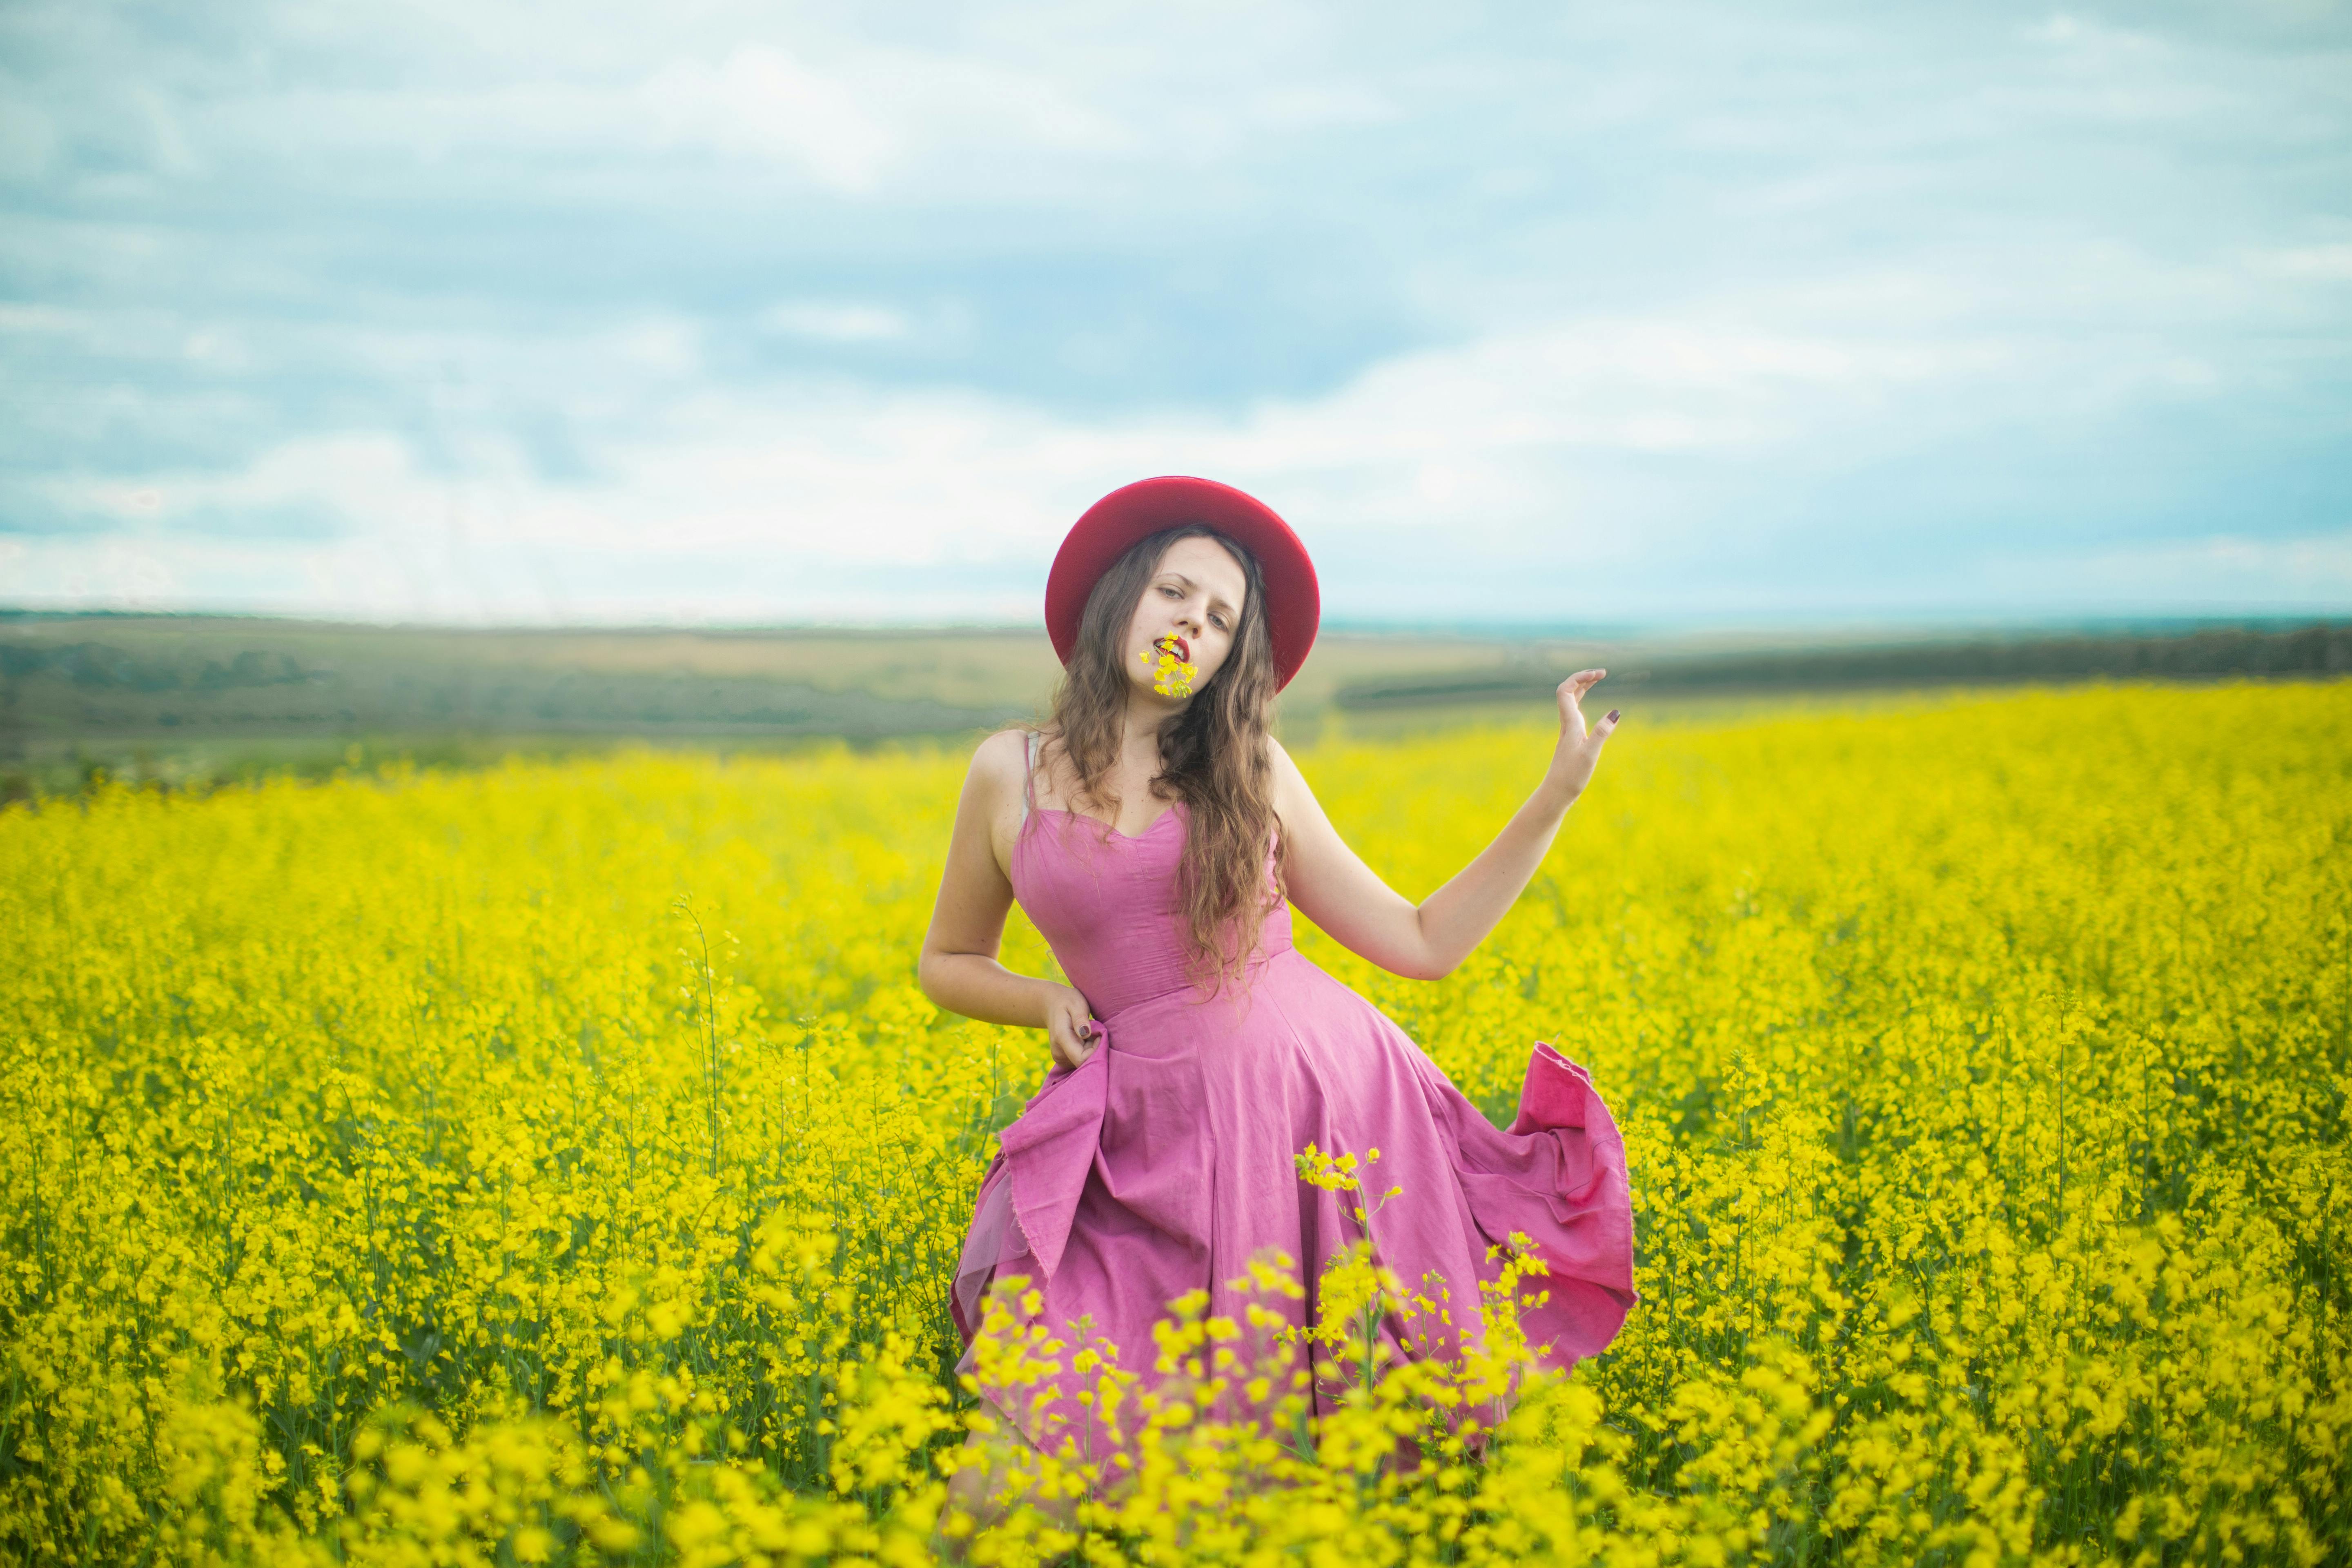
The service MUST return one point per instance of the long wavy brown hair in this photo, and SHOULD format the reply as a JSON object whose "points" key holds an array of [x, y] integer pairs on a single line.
{"points": [[1213, 754]]}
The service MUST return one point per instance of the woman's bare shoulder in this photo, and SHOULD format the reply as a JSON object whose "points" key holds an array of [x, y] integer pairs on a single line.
{"points": [[1294, 797], [999, 764], [1004, 754]]}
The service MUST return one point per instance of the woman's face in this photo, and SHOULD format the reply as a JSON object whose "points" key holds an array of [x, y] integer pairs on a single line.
{"points": [[1195, 596]]}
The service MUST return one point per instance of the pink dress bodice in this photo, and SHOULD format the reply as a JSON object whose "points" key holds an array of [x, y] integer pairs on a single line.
{"points": [[1108, 903]]}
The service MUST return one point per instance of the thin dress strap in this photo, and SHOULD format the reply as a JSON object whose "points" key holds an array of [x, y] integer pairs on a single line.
{"points": [[1029, 778]]}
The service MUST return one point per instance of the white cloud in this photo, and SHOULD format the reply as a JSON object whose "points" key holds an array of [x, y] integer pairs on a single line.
{"points": [[670, 349], [836, 322], [2223, 571], [764, 103], [369, 478], [851, 118], [2322, 263], [28, 139]]}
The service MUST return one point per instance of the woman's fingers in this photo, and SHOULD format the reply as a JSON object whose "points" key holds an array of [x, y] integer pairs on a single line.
{"points": [[1572, 692], [1577, 685], [1071, 1031], [1072, 1039]]}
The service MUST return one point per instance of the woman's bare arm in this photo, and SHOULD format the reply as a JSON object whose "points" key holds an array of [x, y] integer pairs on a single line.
{"points": [[959, 969], [1332, 886]]}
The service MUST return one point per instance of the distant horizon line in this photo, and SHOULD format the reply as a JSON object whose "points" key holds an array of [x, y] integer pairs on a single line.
{"points": [[1914, 627]]}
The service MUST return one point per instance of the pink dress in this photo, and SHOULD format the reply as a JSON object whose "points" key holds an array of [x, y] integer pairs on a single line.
{"points": [[1166, 1162]]}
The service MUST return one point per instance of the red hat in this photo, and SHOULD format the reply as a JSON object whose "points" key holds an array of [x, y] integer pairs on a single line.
{"points": [[1294, 604]]}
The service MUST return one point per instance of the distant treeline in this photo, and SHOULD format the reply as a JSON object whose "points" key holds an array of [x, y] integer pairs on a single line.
{"points": [[2319, 649], [98, 667], [93, 689]]}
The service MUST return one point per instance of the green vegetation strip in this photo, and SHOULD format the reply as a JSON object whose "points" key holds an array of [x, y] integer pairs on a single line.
{"points": [[2319, 649]]}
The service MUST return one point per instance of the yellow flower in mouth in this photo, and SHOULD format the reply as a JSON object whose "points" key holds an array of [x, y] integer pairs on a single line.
{"points": [[1171, 677]]}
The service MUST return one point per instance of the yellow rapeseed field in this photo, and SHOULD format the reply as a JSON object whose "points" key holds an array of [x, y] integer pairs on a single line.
{"points": [[557, 1163]]}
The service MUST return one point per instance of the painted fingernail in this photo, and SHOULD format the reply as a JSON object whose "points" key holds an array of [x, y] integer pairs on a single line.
{"points": [[1612, 715]]}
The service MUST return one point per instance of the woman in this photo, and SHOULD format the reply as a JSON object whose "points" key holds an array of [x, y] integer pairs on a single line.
{"points": [[1158, 836]]}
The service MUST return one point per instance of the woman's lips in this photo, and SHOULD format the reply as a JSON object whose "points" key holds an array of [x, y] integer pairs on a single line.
{"points": [[1179, 646]]}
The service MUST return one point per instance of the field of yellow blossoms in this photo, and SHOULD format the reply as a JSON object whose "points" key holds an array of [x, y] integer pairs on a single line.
{"points": [[557, 1163]]}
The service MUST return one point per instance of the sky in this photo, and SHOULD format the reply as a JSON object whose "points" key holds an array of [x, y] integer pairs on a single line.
{"points": [[1577, 315]]}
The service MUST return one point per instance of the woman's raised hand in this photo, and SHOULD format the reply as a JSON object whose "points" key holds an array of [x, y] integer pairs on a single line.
{"points": [[1071, 1031], [1579, 749]]}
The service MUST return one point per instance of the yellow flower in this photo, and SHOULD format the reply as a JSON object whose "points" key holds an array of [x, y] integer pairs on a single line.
{"points": [[1170, 676]]}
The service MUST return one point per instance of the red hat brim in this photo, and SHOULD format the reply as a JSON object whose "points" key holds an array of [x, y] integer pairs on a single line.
{"points": [[1294, 601]]}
